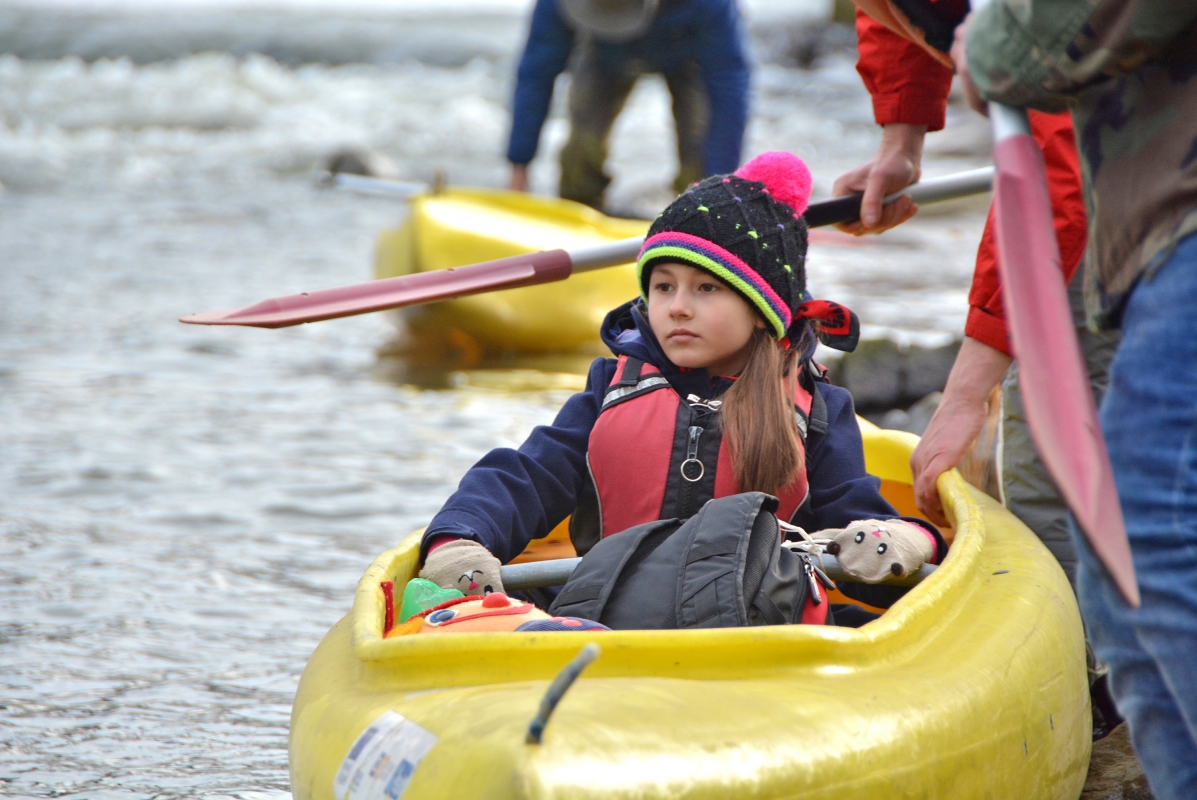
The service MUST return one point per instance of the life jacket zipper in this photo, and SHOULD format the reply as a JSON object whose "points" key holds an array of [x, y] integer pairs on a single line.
{"points": [[692, 470]]}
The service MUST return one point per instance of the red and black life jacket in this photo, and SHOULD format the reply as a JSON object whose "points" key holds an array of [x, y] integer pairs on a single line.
{"points": [[655, 455]]}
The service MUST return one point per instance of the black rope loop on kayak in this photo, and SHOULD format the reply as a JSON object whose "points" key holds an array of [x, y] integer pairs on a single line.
{"points": [[557, 689]]}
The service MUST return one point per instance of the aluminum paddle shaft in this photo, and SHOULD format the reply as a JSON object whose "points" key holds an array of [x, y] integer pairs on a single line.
{"points": [[538, 574]]}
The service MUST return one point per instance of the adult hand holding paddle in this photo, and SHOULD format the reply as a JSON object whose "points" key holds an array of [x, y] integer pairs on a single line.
{"points": [[526, 270], [898, 164]]}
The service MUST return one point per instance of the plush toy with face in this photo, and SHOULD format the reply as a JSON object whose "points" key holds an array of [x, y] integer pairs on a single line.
{"points": [[871, 550], [465, 566]]}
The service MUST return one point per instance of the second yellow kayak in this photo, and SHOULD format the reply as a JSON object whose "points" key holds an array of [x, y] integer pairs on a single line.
{"points": [[466, 226]]}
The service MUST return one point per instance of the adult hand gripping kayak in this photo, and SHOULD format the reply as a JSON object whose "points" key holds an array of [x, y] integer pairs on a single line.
{"points": [[1060, 409], [529, 270]]}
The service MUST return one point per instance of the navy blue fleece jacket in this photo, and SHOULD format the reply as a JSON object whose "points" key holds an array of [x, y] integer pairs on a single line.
{"points": [[704, 31], [513, 496]]}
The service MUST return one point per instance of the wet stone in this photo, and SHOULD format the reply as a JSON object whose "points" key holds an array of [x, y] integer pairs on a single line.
{"points": [[1114, 770], [914, 419], [883, 374]]}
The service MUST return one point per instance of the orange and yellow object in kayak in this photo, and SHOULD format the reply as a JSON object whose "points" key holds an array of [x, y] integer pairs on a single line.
{"points": [[494, 613]]}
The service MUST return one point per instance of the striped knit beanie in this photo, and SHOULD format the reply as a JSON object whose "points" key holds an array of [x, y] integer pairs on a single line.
{"points": [[747, 230]]}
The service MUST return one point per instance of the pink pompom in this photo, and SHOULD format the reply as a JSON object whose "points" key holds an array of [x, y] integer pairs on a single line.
{"points": [[785, 176]]}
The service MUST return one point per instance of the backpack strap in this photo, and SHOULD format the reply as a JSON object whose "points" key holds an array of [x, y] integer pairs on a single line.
{"points": [[768, 610]]}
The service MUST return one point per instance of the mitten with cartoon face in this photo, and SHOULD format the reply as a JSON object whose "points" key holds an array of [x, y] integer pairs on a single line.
{"points": [[463, 565], [871, 550]]}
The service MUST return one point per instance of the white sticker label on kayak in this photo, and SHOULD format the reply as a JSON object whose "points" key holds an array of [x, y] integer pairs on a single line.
{"points": [[383, 759]]}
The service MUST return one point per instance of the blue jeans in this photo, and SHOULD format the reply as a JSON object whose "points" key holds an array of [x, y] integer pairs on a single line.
{"points": [[1149, 416]]}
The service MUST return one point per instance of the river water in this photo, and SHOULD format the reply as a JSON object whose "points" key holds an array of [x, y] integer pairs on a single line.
{"points": [[185, 511]]}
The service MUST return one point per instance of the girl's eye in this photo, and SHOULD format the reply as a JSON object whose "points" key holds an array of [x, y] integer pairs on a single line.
{"points": [[664, 287], [708, 288]]}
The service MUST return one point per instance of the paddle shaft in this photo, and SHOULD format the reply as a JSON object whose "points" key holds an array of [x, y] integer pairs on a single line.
{"points": [[827, 212], [524, 270], [367, 184], [818, 215], [539, 574]]}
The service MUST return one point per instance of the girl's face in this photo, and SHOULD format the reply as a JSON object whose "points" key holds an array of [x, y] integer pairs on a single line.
{"points": [[700, 322]]}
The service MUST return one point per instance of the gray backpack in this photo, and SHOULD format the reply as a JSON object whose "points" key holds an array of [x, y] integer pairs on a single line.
{"points": [[722, 568]]}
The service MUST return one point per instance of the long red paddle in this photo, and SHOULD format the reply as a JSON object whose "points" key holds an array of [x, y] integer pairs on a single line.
{"points": [[526, 270], [1055, 385]]}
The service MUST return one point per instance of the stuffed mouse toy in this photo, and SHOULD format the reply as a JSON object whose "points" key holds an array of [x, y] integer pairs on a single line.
{"points": [[872, 550]]}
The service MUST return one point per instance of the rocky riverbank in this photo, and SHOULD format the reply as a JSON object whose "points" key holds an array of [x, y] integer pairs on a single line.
{"points": [[895, 385]]}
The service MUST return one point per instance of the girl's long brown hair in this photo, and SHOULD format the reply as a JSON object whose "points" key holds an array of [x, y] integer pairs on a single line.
{"points": [[758, 417]]}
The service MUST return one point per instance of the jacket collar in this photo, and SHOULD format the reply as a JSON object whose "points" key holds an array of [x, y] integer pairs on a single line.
{"points": [[626, 331]]}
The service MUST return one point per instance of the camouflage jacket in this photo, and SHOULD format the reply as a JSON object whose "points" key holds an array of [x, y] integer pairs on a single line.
{"points": [[1127, 69]]}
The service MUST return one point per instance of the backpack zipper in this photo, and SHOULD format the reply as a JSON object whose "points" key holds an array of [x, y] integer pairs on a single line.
{"points": [[814, 576], [815, 595]]}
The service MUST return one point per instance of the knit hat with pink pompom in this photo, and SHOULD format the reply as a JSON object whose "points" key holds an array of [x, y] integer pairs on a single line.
{"points": [[745, 229]]}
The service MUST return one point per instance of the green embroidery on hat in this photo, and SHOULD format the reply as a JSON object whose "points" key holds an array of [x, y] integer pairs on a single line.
{"points": [[703, 208], [753, 234], [787, 266]]}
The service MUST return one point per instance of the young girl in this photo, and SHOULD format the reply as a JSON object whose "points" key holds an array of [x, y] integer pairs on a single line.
{"points": [[712, 393]]}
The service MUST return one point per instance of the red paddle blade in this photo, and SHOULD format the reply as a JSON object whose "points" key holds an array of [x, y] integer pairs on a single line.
{"points": [[406, 290], [1055, 386]]}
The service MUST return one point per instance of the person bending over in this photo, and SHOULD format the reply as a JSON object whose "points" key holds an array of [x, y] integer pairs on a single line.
{"points": [[696, 45]]}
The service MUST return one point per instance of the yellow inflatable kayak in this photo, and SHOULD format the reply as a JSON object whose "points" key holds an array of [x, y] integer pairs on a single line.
{"points": [[972, 686], [466, 226]]}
